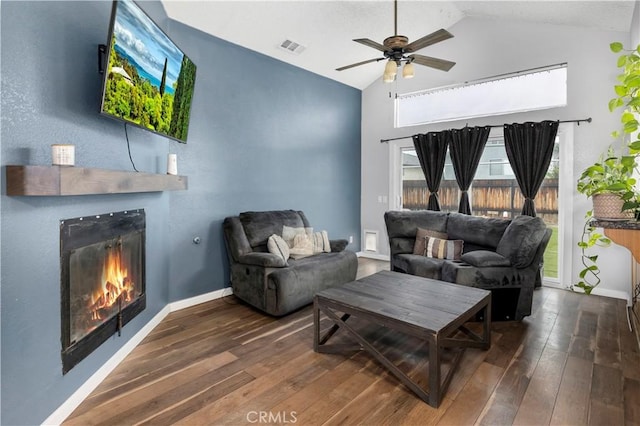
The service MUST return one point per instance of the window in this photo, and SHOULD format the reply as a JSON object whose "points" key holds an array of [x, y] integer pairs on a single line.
{"points": [[496, 167], [531, 90], [415, 194]]}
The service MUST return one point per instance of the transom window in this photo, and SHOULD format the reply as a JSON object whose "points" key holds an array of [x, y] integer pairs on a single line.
{"points": [[531, 90]]}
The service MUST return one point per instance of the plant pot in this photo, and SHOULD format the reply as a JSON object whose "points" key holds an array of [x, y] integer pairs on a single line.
{"points": [[609, 207]]}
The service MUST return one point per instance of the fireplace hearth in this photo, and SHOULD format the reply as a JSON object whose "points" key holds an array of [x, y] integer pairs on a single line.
{"points": [[102, 283]]}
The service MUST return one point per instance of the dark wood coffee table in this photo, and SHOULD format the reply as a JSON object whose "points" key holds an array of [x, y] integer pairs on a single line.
{"points": [[428, 309]]}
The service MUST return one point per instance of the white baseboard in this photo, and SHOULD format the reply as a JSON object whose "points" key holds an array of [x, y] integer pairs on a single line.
{"points": [[375, 256], [616, 294], [196, 300], [554, 284], [598, 291], [61, 414]]}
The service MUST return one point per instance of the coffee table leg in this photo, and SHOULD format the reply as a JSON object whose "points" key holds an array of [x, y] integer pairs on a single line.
{"points": [[318, 339], [486, 325], [316, 325], [365, 345], [434, 372]]}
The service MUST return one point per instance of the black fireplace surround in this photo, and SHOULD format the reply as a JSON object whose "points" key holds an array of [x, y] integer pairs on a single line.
{"points": [[102, 283]]}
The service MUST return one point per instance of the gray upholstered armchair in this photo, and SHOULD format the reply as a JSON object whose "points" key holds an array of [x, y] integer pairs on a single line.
{"points": [[273, 283]]}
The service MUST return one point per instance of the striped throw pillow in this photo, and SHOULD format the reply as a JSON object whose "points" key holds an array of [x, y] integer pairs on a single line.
{"points": [[321, 242], [421, 239], [443, 249]]}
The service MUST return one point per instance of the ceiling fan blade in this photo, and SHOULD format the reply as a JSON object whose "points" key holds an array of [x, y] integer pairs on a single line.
{"points": [[370, 43], [428, 40], [358, 64], [428, 61]]}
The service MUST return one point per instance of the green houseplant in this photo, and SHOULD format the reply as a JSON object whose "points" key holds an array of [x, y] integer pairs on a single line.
{"points": [[590, 273], [628, 97], [612, 175]]}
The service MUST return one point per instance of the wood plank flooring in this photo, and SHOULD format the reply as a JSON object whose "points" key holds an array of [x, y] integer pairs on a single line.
{"points": [[572, 362]]}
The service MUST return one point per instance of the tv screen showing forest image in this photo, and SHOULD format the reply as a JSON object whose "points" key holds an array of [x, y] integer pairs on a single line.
{"points": [[149, 81]]}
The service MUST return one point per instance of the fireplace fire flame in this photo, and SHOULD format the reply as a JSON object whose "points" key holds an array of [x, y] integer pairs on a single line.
{"points": [[116, 286]]}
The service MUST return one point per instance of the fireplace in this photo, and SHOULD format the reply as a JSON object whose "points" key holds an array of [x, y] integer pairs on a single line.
{"points": [[102, 263]]}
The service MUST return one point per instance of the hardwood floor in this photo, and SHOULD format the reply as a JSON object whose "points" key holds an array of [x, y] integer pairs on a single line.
{"points": [[572, 362]]}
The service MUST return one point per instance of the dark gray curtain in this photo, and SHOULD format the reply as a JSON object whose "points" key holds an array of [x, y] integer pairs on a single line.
{"points": [[466, 148], [432, 151], [529, 148]]}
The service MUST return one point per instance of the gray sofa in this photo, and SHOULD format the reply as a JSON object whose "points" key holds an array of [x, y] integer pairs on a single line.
{"points": [[268, 282], [504, 256]]}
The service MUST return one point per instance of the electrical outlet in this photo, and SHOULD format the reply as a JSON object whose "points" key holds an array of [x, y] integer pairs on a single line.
{"points": [[350, 239]]}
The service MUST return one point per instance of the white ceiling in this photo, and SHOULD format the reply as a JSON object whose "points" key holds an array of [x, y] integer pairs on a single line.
{"points": [[326, 28]]}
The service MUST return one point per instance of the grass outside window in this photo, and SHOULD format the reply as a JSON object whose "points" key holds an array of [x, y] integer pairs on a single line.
{"points": [[551, 254]]}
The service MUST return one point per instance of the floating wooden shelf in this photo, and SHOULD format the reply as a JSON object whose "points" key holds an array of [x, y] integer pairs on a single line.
{"points": [[60, 181], [624, 233]]}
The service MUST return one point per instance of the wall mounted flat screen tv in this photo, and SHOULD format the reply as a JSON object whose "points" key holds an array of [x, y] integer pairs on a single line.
{"points": [[148, 81]]}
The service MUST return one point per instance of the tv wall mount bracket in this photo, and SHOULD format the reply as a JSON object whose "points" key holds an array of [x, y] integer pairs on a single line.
{"points": [[102, 57]]}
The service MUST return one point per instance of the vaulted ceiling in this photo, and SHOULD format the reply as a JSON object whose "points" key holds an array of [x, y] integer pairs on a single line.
{"points": [[325, 29]]}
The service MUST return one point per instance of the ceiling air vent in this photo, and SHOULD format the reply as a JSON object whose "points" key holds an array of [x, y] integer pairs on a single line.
{"points": [[292, 47]]}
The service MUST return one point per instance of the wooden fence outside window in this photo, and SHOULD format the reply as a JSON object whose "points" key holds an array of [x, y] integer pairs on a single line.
{"points": [[490, 198]]}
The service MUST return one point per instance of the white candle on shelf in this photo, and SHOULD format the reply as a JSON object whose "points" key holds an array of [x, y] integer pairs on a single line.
{"points": [[172, 164], [63, 154]]}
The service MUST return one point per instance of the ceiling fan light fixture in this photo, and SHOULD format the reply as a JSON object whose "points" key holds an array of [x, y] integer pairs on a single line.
{"points": [[397, 49], [391, 68], [408, 71]]}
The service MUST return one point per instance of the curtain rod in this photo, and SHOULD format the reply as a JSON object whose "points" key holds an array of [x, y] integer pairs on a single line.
{"points": [[588, 120]]}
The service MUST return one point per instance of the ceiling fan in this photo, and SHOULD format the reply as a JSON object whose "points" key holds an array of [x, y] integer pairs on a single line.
{"points": [[397, 49]]}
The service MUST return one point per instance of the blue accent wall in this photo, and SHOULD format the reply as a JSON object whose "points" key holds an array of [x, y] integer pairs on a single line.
{"points": [[263, 135]]}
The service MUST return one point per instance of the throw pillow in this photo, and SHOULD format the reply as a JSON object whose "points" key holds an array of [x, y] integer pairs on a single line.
{"points": [[302, 246], [289, 233], [521, 240], [321, 242], [420, 245], [484, 258], [444, 249], [276, 245]]}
